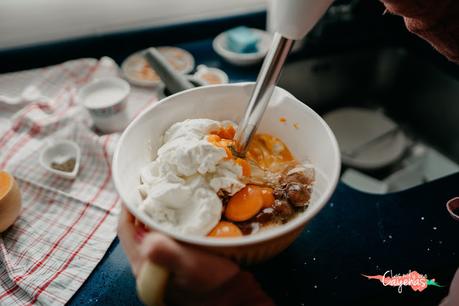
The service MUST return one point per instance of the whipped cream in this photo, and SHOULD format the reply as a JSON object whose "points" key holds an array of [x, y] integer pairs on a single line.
{"points": [[179, 188]]}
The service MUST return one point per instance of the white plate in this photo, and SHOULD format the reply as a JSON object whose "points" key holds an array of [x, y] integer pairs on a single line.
{"points": [[356, 127], [243, 59], [138, 72]]}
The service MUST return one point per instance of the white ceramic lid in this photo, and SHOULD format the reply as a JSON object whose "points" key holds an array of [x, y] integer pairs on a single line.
{"points": [[367, 138]]}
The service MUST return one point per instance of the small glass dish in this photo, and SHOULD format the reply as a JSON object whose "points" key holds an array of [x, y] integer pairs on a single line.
{"points": [[219, 45], [60, 154], [453, 208]]}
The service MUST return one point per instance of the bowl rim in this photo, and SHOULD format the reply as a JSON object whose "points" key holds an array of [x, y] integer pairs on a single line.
{"points": [[104, 82], [261, 237]]}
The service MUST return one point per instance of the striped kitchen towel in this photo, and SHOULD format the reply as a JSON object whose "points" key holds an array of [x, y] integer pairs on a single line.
{"points": [[65, 227]]}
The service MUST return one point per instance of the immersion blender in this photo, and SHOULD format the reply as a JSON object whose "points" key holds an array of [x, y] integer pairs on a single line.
{"points": [[292, 20]]}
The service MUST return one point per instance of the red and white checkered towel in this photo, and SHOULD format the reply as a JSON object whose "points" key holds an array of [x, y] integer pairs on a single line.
{"points": [[65, 226]]}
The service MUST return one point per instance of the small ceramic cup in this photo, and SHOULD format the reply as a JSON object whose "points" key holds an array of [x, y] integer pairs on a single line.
{"points": [[106, 101], [211, 76], [243, 59], [10, 200], [61, 151], [453, 208]]}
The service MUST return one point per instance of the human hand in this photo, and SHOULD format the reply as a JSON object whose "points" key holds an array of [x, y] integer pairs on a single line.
{"points": [[197, 277]]}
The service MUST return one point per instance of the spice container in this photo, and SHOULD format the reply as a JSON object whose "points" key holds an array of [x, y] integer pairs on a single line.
{"points": [[61, 158], [106, 101]]}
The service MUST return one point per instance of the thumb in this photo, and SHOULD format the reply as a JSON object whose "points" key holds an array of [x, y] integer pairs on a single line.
{"points": [[191, 268]]}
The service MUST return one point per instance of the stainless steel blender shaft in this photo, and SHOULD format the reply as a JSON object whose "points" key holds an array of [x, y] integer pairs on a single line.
{"points": [[261, 94]]}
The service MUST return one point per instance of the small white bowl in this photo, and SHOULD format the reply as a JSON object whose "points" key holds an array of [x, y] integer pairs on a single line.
{"points": [[452, 206], [204, 74], [243, 59], [60, 151], [106, 100]]}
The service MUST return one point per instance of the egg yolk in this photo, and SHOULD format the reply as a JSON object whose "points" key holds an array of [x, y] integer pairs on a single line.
{"points": [[226, 132], [267, 195], [223, 138], [267, 151], [245, 204], [246, 171], [225, 229]]}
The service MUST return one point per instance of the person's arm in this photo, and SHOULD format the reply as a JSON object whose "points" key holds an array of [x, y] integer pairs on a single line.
{"points": [[436, 21], [453, 297], [197, 277]]}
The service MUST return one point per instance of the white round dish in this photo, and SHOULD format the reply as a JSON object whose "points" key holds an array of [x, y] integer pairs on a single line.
{"points": [[305, 133], [138, 72], [106, 100], [243, 59], [210, 75], [367, 138], [60, 151]]}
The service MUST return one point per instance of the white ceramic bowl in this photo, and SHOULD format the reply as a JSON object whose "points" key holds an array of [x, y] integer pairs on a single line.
{"points": [[304, 132], [60, 151], [210, 75], [106, 101], [243, 59]]}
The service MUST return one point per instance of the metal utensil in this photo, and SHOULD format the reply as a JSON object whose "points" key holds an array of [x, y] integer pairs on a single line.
{"points": [[262, 92], [174, 81]]}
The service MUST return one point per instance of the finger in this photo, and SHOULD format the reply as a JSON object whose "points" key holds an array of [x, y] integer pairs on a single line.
{"points": [[130, 238], [192, 268]]}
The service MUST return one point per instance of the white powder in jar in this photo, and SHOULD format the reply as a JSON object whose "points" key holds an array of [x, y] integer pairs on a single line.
{"points": [[104, 97]]}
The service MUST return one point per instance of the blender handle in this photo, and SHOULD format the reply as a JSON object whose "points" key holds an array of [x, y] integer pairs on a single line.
{"points": [[151, 284], [293, 19]]}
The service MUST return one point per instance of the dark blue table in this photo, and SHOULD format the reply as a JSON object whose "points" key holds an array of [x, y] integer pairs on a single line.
{"points": [[356, 233]]}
